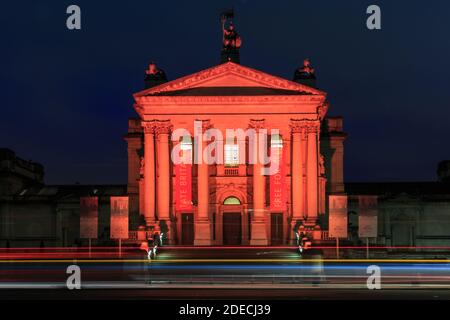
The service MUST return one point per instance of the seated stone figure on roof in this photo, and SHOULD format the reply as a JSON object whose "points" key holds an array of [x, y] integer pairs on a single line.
{"points": [[154, 76], [154, 72], [306, 71]]}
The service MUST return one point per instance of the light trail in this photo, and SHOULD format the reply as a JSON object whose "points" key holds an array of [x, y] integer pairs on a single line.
{"points": [[445, 261], [181, 247], [437, 268], [293, 247], [128, 285], [71, 248], [111, 252]]}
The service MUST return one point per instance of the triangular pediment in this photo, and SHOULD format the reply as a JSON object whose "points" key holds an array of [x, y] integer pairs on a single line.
{"points": [[230, 79]]}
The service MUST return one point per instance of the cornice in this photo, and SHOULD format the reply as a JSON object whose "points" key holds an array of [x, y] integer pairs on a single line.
{"points": [[186, 100]]}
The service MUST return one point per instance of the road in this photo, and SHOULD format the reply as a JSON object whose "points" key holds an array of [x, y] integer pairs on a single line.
{"points": [[212, 273]]}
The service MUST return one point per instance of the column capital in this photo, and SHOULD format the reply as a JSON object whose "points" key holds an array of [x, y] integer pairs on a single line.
{"points": [[304, 125], [257, 124], [297, 125], [147, 172], [313, 127], [163, 127], [148, 126]]}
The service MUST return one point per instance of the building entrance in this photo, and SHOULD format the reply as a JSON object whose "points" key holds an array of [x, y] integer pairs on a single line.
{"points": [[276, 229], [232, 228], [187, 229]]}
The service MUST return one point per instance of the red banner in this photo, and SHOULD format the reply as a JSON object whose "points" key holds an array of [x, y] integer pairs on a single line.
{"points": [[119, 218], [183, 186], [183, 182], [88, 217], [278, 192]]}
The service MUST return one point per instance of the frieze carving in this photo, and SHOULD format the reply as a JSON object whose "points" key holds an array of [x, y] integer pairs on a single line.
{"points": [[257, 124], [240, 189], [228, 99], [223, 183]]}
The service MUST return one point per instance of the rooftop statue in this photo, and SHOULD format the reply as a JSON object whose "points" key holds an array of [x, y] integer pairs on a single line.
{"points": [[306, 71], [231, 39], [153, 71], [306, 74], [154, 76]]}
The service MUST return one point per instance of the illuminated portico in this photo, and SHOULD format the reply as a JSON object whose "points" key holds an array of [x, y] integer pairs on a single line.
{"points": [[249, 136], [231, 97]]}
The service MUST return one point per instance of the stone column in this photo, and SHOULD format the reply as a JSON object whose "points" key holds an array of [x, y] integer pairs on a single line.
{"points": [[259, 233], [312, 172], [297, 129], [162, 130], [203, 230], [149, 173]]}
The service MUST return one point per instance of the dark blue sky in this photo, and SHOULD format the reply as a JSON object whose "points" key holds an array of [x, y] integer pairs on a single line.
{"points": [[66, 95]]}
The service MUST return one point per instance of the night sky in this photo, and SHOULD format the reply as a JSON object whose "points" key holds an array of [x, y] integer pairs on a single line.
{"points": [[66, 95]]}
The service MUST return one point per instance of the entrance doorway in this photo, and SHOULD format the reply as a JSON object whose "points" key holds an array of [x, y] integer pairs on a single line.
{"points": [[276, 229], [187, 229], [232, 228]]}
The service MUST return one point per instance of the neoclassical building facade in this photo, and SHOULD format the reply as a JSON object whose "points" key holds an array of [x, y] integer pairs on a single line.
{"points": [[229, 202], [233, 202]]}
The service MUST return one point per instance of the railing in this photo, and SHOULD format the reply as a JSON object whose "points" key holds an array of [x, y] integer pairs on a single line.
{"points": [[139, 235], [326, 236], [231, 171], [133, 235]]}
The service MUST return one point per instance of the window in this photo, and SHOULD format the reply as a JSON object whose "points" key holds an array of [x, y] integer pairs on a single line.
{"points": [[276, 141], [231, 154], [186, 148], [186, 143], [231, 201]]}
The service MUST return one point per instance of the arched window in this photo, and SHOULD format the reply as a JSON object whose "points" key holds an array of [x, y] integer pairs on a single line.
{"points": [[231, 201]]}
